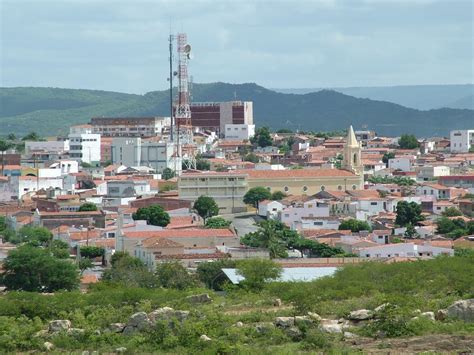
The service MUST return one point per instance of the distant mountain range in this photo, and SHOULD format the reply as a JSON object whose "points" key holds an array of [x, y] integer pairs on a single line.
{"points": [[50, 111], [421, 97]]}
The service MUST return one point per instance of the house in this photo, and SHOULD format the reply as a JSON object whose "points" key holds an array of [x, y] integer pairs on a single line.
{"points": [[426, 173], [436, 190], [403, 250], [324, 223], [401, 163], [270, 209], [311, 208]]}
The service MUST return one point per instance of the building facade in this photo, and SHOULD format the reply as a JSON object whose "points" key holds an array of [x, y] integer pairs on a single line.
{"points": [[462, 140], [129, 126], [227, 189], [84, 145], [215, 115], [239, 132]]}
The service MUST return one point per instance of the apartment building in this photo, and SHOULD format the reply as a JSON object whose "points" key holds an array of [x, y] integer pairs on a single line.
{"points": [[129, 126], [227, 188], [84, 145]]}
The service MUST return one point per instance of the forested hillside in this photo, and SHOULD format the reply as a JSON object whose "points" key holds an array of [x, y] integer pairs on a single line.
{"points": [[51, 110]]}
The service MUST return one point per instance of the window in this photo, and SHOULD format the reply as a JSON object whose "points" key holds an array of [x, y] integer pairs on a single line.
{"points": [[373, 203], [339, 187], [268, 188], [323, 188], [286, 189], [354, 187], [305, 188]]}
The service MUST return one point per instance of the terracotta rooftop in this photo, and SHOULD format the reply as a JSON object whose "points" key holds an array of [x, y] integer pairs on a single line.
{"points": [[295, 173], [182, 233], [157, 242]]}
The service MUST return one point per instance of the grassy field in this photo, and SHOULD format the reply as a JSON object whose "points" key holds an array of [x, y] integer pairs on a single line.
{"points": [[424, 285]]}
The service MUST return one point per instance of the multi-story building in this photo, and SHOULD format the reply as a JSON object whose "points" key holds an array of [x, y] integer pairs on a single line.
{"points": [[227, 189], [462, 140], [134, 151], [129, 126], [84, 145], [58, 147], [215, 115]]}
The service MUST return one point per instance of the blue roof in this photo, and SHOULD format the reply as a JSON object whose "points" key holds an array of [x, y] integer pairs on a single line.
{"points": [[288, 274]]}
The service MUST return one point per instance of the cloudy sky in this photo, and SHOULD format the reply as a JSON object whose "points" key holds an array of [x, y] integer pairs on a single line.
{"points": [[122, 45]]}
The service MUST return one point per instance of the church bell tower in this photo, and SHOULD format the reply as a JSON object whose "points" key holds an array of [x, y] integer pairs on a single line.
{"points": [[352, 154]]}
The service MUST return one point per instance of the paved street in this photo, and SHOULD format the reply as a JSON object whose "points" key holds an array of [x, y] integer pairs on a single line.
{"points": [[243, 222]]}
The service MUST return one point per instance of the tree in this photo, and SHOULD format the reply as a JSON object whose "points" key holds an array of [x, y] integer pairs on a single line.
{"points": [[274, 236], [217, 222], [203, 164], [262, 137], [278, 195], [154, 214], [39, 236], [387, 156], [32, 136], [88, 184], [84, 264], [251, 157], [211, 274], [34, 269], [172, 274], [206, 207], [88, 206], [11, 137], [408, 141], [129, 271], [4, 146], [256, 195], [355, 225], [408, 213], [410, 231], [168, 174], [258, 271], [452, 212], [92, 252]]}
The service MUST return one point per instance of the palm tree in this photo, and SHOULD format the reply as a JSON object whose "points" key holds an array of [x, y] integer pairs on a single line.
{"points": [[4, 146]]}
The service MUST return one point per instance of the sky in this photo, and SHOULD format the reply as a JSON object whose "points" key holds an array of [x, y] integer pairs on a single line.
{"points": [[122, 45]]}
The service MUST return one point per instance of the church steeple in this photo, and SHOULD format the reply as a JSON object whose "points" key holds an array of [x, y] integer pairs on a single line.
{"points": [[352, 153]]}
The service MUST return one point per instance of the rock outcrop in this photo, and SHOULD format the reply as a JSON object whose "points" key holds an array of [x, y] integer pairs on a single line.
{"points": [[463, 309]]}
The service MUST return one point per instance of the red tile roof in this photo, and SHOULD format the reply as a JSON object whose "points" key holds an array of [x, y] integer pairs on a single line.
{"points": [[182, 233], [295, 173]]}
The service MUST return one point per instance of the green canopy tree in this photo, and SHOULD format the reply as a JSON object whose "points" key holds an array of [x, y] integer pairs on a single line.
{"points": [[154, 214], [168, 174], [258, 271], [88, 206], [278, 195], [257, 194], [217, 222], [262, 137], [408, 141], [29, 268], [173, 274], [354, 225], [206, 207], [408, 213], [211, 273]]}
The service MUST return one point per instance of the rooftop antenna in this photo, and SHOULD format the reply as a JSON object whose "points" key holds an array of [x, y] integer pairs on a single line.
{"points": [[170, 79]]}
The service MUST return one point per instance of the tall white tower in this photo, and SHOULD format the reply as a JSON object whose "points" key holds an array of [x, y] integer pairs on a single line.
{"points": [[352, 154]]}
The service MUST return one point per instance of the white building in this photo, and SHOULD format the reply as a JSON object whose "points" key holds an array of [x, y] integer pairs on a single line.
{"points": [[461, 140], [239, 131], [25, 184], [127, 188], [84, 145], [402, 163], [312, 208], [403, 250], [133, 151], [57, 147], [269, 209], [431, 172]]}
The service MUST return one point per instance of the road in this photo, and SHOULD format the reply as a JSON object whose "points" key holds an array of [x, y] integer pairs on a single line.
{"points": [[243, 222]]}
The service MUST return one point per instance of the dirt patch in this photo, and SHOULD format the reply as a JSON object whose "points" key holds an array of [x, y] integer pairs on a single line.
{"points": [[463, 344]]}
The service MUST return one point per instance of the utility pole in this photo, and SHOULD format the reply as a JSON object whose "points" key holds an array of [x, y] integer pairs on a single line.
{"points": [[171, 86]]}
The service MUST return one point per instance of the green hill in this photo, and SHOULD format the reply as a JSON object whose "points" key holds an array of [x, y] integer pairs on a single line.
{"points": [[51, 110]]}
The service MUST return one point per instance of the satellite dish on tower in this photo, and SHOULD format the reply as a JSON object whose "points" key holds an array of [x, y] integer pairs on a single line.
{"points": [[187, 50]]}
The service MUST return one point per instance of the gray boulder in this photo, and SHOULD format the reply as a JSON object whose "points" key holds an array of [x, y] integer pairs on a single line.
{"points": [[139, 320], [48, 346], [361, 314], [264, 328], [284, 322], [167, 314], [294, 333], [129, 330], [239, 325], [277, 302], [201, 298], [463, 309], [314, 316], [59, 325], [331, 326], [381, 307], [121, 350], [116, 327], [429, 315]]}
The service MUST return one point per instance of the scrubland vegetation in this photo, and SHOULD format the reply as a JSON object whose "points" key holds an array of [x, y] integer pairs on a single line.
{"points": [[424, 285]]}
